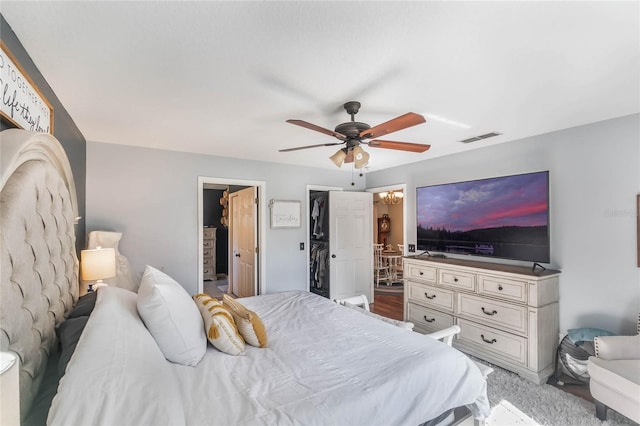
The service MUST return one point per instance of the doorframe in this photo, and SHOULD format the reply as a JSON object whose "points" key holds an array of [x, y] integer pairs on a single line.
{"points": [[260, 222], [307, 210], [398, 186]]}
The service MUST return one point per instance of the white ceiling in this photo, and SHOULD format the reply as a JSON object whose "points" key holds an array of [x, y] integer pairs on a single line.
{"points": [[221, 78]]}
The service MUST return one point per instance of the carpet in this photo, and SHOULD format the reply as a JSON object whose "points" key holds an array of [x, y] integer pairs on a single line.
{"points": [[217, 287], [545, 404], [395, 288]]}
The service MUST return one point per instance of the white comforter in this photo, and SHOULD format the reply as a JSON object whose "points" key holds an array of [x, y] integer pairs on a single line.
{"points": [[324, 364]]}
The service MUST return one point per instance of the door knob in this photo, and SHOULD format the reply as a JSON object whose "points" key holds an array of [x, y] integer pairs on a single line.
{"points": [[237, 254]]}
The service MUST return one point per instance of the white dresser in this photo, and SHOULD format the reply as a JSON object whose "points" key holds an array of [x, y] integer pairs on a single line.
{"points": [[508, 314], [209, 254]]}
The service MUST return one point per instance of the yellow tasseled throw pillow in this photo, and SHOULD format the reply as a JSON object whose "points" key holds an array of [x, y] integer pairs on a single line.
{"points": [[248, 322], [219, 325]]}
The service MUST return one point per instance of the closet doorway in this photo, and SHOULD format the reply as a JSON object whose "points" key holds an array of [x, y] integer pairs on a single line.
{"points": [[231, 223]]}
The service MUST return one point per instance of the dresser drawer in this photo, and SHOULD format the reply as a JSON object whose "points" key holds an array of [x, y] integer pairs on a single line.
{"points": [[503, 288], [493, 341], [458, 279], [492, 312], [207, 272], [208, 243], [209, 233], [207, 261], [439, 298], [427, 320], [420, 272], [207, 252]]}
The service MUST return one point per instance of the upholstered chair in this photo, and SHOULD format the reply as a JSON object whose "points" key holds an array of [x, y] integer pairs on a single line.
{"points": [[615, 375]]}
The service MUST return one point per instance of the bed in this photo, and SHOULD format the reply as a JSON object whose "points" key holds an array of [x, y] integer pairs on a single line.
{"points": [[324, 363]]}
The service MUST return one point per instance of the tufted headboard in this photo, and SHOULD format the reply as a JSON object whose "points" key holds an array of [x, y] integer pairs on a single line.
{"points": [[38, 262]]}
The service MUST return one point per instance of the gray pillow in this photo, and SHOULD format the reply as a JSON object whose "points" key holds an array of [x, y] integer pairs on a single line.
{"points": [[85, 305], [69, 333]]}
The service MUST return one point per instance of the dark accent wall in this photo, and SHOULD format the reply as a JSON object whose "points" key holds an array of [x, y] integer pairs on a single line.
{"points": [[64, 129], [211, 214]]}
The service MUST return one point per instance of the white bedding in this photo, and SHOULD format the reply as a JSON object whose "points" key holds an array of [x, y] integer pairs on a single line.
{"points": [[324, 364]]}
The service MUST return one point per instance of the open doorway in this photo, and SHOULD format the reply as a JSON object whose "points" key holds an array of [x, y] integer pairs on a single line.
{"points": [[390, 217], [219, 253]]}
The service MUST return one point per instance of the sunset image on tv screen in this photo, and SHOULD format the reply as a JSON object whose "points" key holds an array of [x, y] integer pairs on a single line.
{"points": [[503, 217]]}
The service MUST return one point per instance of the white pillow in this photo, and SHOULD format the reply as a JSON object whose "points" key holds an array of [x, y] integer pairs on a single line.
{"points": [[171, 317]]}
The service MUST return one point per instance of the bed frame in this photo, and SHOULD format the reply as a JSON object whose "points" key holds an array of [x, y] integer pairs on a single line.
{"points": [[38, 262]]}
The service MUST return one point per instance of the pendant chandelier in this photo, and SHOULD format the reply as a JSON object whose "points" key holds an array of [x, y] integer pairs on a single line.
{"points": [[391, 197]]}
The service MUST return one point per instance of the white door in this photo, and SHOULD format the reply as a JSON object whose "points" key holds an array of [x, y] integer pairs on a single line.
{"points": [[244, 242], [351, 244]]}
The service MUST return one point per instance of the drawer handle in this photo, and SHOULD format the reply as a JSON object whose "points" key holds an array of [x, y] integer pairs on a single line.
{"points": [[489, 313], [491, 342], [429, 320], [500, 288], [429, 297], [421, 273], [455, 279]]}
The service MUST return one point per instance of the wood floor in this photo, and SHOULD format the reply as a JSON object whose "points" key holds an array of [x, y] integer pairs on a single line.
{"points": [[389, 305], [392, 306]]}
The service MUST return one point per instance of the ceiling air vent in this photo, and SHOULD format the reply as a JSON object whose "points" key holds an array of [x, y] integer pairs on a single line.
{"points": [[479, 138]]}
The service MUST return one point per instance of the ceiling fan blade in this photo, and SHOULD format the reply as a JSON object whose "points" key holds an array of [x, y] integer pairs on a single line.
{"points": [[310, 126], [407, 120], [310, 146], [402, 146]]}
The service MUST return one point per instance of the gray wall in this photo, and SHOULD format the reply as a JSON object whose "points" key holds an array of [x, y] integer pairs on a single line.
{"points": [[151, 196], [64, 129], [594, 178]]}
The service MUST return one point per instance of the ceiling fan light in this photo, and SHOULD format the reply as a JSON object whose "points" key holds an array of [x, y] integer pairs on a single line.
{"points": [[338, 157], [360, 157]]}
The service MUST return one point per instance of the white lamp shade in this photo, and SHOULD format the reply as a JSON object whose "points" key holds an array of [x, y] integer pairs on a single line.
{"points": [[9, 389], [98, 264]]}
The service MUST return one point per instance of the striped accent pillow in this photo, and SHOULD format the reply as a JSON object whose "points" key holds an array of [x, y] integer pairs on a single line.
{"points": [[249, 323], [219, 325]]}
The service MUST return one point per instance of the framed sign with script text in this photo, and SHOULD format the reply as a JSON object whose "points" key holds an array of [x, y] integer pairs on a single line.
{"points": [[285, 214], [22, 103]]}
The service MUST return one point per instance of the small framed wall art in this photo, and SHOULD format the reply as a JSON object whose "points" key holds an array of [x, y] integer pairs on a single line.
{"points": [[285, 214]]}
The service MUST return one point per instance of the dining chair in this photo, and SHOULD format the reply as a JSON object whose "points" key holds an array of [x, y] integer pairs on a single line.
{"points": [[381, 270]]}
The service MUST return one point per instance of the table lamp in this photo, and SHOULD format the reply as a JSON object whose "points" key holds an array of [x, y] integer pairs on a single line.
{"points": [[9, 389], [98, 264]]}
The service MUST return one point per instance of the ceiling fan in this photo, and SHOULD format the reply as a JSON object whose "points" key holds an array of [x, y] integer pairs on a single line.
{"points": [[353, 133]]}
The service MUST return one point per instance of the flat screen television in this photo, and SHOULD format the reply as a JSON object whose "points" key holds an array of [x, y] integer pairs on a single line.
{"points": [[503, 217]]}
